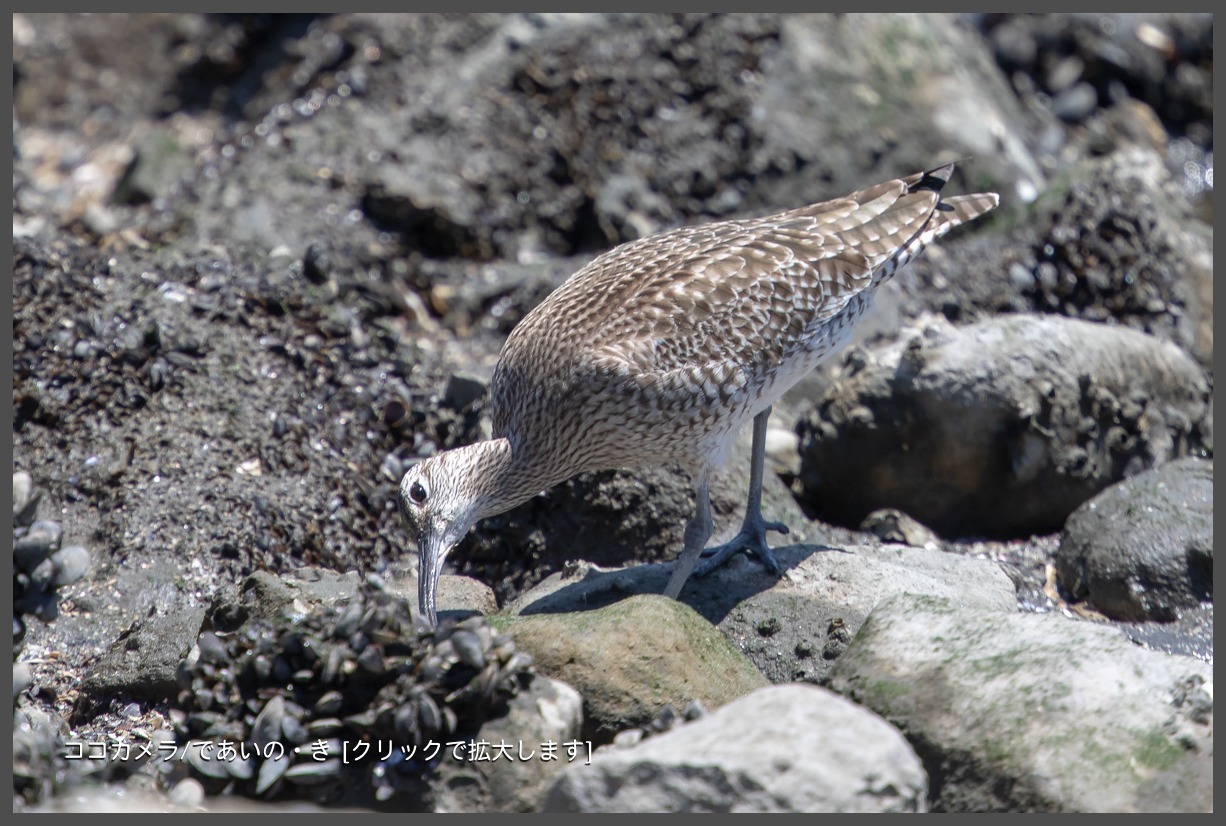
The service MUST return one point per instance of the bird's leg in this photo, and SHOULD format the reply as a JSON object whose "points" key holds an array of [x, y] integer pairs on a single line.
{"points": [[697, 532], [752, 537]]}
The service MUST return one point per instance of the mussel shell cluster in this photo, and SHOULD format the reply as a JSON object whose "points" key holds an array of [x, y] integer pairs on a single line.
{"points": [[39, 766], [40, 566], [297, 699]]}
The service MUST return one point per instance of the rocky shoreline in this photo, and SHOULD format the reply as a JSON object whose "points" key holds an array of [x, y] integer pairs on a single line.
{"points": [[262, 263]]}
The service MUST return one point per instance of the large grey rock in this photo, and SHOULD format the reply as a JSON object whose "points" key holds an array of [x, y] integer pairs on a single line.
{"points": [[789, 748], [1035, 711], [1001, 428], [844, 87], [792, 627], [1143, 548], [633, 658], [797, 629], [511, 135]]}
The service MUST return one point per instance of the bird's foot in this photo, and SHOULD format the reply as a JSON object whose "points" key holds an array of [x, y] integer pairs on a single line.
{"points": [[751, 539]]}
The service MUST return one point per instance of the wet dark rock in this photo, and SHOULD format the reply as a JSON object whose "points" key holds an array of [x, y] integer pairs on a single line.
{"points": [[316, 264], [38, 543], [1143, 548], [1190, 634], [462, 390], [1002, 428]]}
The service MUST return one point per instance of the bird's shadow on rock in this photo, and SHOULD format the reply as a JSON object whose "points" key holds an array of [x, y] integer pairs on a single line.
{"points": [[585, 587]]}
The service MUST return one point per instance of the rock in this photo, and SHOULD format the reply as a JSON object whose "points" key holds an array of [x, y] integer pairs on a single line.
{"points": [[547, 711], [297, 593], [532, 134], [892, 525], [1128, 123], [265, 595], [141, 664], [829, 128], [158, 164], [23, 678], [360, 672], [99, 220], [1075, 103], [187, 794], [788, 748], [1113, 239], [458, 596], [1124, 244], [1189, 634], [1002, 428], [41, 768], [794, 627], [782, 454], [1143, 548], [1132, 52], [317, 264], [1035, 712], [462, 390], [39, 542], [632, 658], [25, 499], [71, 564], [561, 134]]}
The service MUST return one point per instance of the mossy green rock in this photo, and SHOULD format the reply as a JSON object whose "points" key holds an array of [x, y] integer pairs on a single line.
{"points": [[633, 658]]}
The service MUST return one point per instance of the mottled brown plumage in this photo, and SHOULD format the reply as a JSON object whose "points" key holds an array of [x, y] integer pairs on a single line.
{"points": [[658, 351]]}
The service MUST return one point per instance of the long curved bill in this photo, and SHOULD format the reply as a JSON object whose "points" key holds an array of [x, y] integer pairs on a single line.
{"points": [[430, 556]]}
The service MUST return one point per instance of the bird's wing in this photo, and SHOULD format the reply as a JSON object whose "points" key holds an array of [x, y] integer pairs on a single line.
{"points": [[721, 303], [746, 293]]}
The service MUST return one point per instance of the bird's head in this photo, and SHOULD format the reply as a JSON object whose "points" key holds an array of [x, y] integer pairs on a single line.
{"points": [[441, 498]]}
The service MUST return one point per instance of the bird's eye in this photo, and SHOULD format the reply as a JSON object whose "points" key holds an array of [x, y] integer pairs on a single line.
{"points": [[417, 492]]}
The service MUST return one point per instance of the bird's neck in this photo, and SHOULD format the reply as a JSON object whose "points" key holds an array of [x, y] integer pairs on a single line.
{"points": [[509, 477]]}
